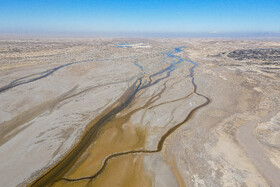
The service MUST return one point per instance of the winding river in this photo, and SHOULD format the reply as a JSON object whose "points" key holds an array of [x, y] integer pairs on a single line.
{"points": [[56, 173]]}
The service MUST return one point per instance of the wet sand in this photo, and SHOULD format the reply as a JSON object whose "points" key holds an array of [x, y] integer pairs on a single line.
{"points": [[147, 114]]}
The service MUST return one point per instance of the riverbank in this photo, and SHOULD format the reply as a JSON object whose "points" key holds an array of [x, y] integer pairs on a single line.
{"points": [[152, 135]]}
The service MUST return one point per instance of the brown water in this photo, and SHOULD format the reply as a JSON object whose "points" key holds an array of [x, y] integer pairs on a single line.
{"points": [[112, 147]]}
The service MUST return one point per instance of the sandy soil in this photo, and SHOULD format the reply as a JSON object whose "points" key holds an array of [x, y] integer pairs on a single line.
{"points": [[47, 108]]}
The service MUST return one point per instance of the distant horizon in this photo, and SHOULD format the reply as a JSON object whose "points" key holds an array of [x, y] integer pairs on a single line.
{"points": [[144, 34], [163, 17]]}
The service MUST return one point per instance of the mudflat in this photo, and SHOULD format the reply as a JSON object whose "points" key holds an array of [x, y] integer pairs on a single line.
{"points": [[139, 112]]}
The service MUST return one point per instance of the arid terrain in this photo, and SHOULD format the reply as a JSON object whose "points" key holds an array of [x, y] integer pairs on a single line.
{"points": [[139, 112]]}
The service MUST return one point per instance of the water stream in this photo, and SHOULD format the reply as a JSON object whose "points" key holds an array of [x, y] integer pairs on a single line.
{"points": [[56, 173]]}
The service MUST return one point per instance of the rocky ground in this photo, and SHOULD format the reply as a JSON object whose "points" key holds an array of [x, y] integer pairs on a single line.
{"points": [[139, 112]]}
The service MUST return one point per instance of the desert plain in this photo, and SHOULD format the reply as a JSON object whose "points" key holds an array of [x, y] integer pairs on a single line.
{"points": [[139, 112]]}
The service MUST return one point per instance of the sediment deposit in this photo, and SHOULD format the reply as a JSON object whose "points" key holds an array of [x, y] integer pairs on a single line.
{"points": [[139, 112]]}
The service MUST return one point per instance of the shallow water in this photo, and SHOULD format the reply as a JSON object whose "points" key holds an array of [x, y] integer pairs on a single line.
{"points": [[75, 162]]}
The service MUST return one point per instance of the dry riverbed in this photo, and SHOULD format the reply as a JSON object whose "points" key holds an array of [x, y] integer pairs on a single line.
{"points": [[139, 112]]}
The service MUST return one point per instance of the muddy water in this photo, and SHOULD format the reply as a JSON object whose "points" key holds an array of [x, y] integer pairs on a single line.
{"points": [[117, 136], [123, 171], [89, 136], [112, 146]]}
